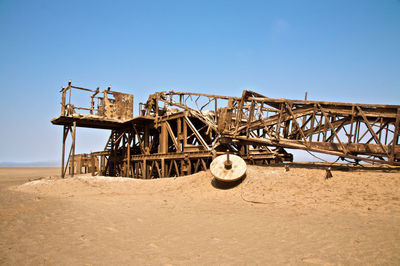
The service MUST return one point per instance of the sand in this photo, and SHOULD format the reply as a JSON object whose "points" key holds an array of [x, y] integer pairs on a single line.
{"points": [[272, 217]]}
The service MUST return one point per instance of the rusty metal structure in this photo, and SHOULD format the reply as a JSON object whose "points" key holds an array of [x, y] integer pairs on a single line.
{"points": [[179, 133]]}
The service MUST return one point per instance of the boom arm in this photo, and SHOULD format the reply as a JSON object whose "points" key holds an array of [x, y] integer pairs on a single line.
{"points": [[363, 132]]}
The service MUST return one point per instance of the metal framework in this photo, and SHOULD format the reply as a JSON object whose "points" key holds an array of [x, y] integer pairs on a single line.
{"points": [[350, 130], [178, 133], [363, 132]]}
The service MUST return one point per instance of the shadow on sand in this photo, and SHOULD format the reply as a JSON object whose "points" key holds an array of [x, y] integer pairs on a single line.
{"points": [[226, 185]]}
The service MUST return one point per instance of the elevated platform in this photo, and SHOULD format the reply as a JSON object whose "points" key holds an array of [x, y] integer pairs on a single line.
{"points": [[92, 121]]}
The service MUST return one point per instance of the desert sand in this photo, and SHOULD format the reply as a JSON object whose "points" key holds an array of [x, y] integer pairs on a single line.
{"points": [[272, 217]]}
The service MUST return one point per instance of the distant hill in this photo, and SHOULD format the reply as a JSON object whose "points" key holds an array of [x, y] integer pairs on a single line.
{"points": [[30, 164]]}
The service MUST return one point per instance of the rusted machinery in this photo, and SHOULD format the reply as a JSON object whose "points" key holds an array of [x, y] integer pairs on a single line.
{"points": [[178, 133]]}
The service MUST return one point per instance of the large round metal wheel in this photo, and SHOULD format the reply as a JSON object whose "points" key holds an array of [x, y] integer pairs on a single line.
{"points": [[228, 168]]}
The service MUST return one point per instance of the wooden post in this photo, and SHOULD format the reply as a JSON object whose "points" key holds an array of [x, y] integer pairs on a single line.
{"points": [[70, 91], [395, 137], [179, 134], [144, 169], [91, 105], [188, 165], [103, 164], [63, 101], [146, 137], [129, 155], [73, 148], [304, 117], [65, 132], [162, 167], [215, 109], [185, 135], [93, 164], [79, 165], [164, 138]]}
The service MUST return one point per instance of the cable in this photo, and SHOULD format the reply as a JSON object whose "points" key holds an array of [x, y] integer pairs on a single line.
{"points": [[250, 201], [331, 163], [319, 158]]}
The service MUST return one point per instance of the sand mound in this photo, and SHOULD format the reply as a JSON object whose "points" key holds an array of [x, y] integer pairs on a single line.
{"points": [[301, 219], [92, 185], [364, 190]]}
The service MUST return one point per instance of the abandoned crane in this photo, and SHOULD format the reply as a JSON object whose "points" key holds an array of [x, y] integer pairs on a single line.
{"points": [[179, 133]]}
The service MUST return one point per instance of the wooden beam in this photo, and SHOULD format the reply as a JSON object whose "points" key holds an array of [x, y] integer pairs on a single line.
{"points": [[294, 119], [172, 135], [176, 168], [204, 164], [158, 169], [332, 129], [372, 130], [139, 140], [199, 137]]}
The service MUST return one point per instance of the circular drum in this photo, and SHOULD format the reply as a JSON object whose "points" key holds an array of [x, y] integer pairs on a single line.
{"points": [[234, 172]]}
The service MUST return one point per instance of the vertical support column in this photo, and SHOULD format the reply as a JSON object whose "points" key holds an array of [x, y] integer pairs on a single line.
{"points": [[163, 167], [186, 165], [350, 134], [70, 91], [242, 150], [185, 135], [278, 127], [356, 132], [93, 164], [128, 154], [304, 117], [146, 138], [65, 132], [164, 138], [395, 137], [179, 134], [124, 167], [111, 158], [63, 101], [79, 165], [144, 169], [103, 164], [325, 133], [215, 110], [73, 148]]}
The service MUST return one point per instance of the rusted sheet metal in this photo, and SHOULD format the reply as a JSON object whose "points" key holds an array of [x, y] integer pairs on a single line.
{"points": [[104, 105], [119, 108]]}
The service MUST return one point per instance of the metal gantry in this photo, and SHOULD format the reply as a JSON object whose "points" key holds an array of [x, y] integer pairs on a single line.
{"points": [[179, 133]]}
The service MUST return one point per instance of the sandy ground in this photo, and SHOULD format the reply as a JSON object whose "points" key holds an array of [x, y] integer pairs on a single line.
{"points": [[272, 217]]}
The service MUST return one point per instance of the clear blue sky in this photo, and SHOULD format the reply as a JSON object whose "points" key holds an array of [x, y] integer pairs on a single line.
{"points": [[335, 50]]}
